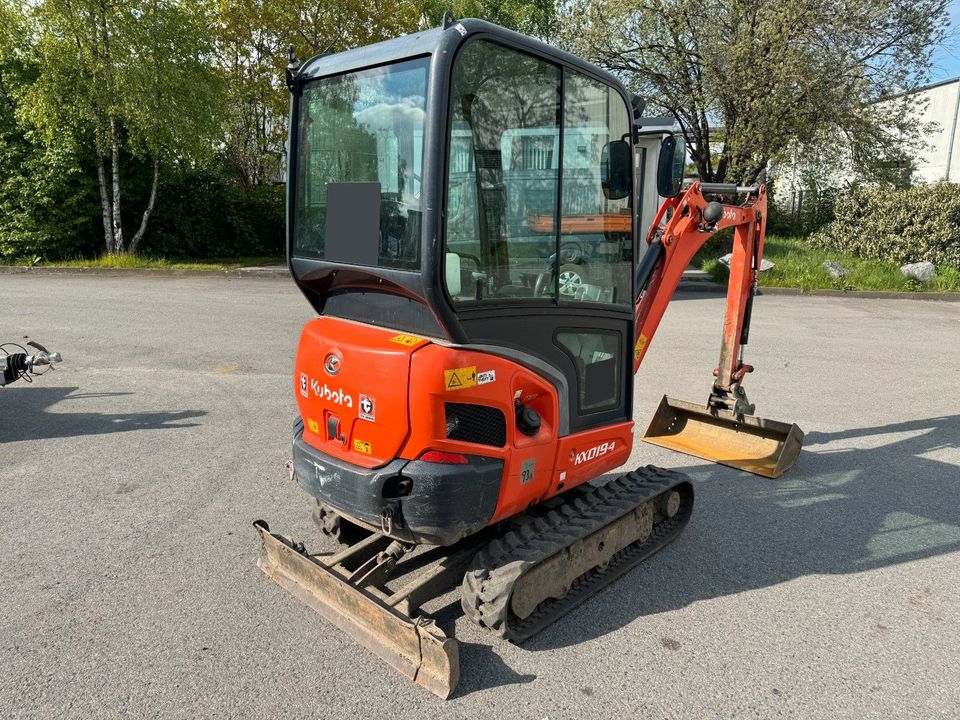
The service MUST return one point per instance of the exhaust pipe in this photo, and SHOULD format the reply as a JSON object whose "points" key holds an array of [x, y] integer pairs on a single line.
{"points": [[746, 442]]}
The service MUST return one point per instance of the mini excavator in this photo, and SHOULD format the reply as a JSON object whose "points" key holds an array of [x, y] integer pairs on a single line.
{"points": [[464, 210]]}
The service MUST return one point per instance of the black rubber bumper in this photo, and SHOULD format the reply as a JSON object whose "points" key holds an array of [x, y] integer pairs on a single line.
{"points": [[445, 502]]}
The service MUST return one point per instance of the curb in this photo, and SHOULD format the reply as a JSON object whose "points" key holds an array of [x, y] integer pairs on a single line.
{"points": [[686, 285], [864, 294], [705, 286], [700, 286], [250, 272]]}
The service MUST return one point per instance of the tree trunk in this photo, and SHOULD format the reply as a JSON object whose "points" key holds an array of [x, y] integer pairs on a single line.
{"points": [[105, 205], [135, 241], [115, 161]]}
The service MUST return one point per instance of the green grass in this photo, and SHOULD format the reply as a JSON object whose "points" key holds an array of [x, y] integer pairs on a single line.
{"points": [[127, 261], [798, 265]]}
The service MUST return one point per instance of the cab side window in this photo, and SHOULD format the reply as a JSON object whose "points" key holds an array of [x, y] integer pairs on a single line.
{"points": [[503, 174], [532, 212], [596, 238]]}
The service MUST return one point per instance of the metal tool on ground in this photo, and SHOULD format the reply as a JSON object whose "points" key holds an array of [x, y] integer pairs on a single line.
{"points": [[464, 207], [17, 364]]}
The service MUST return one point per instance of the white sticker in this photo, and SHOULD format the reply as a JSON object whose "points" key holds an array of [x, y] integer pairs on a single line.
{"points": [[367, 408], [303, 385], [517, 394], [487, 376], [460, 29], [527, 468]]}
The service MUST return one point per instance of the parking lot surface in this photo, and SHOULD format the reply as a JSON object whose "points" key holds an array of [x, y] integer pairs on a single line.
{"points": [[131, 475]]}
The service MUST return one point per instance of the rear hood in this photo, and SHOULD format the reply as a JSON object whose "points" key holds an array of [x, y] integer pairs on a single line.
{"points": [[351, 381]]}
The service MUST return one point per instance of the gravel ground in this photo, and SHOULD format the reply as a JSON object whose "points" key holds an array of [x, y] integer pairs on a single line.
{"points": [[131, 475]]}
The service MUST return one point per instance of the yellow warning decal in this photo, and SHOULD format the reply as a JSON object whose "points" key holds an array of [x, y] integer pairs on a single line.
{"points": [[362, 446], [314, 426], [407, 340], [460, 378], [639, 347]]}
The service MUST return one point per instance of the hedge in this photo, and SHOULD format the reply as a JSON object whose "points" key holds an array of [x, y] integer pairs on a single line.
{"points": [[902, 226], [54, 211]]}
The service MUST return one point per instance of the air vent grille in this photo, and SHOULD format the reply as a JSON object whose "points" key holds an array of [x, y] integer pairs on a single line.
{"points": [[476, 423]]}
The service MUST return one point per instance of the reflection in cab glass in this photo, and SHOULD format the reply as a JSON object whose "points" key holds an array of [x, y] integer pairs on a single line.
{"points": [[364, 127], [513, 169]]}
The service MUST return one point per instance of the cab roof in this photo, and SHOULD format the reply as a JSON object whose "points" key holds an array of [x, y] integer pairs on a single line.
{"points": [[436, 41]]}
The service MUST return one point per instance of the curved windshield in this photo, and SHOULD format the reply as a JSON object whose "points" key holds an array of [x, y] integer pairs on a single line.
{"points": [[359, 166]]}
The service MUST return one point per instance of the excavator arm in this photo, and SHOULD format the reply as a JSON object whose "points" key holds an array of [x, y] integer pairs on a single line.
{"points": [[683, 224], [725, 430]]}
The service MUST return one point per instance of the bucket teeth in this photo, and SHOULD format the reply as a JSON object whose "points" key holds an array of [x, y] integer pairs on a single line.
{"points": [[746, 442]]}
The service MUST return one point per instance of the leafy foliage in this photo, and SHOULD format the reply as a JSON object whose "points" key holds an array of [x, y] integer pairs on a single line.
{"points": [[531, 17], [46, 188], [253, 37], [208, 215], [774, 74], [902, 226], [141, 92], [118, 79], [803, 209]]}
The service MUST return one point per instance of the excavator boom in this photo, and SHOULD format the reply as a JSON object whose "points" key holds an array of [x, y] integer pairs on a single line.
{"points": [[724, 430]]}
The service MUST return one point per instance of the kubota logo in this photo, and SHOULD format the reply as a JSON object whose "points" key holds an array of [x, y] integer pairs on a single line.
{"points": [[334, 395], [332, 363], [594, 452]]}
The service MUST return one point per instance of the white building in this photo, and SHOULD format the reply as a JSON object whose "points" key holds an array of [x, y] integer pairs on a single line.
{"points": [[940, 104], [937, 106]]}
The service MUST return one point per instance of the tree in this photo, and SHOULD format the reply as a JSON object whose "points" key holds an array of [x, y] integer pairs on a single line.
{"points": [[45, 189], [252, 40], [531, 17], [125, 76], [774, 74]]}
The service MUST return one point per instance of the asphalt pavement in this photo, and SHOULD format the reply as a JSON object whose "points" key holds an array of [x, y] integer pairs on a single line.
{"points": [[130, 476]]}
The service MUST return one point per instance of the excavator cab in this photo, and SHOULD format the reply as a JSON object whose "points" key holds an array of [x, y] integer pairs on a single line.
{"points": [[473, 185], [463, 209]]}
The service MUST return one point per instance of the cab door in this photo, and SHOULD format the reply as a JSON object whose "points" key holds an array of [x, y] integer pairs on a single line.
{"points": [[538, 244]]}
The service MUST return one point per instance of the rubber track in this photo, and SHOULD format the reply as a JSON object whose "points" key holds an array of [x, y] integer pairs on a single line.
{"points": [[488, 585]]}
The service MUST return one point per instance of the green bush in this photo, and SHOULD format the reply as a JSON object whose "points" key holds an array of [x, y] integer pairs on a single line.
{"points": [[901, 226], [203, 213], [50, 208], [805, 213], [49, 205]]}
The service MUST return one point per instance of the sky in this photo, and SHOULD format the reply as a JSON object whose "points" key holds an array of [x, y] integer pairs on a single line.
{"points": [[946, 58]]}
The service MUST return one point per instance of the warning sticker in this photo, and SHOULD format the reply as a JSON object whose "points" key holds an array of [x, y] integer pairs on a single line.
{"points": [[367, 408], [487, 376], [639, 347], [313, 425], [362, 446], [407, 340], [460, 378]]}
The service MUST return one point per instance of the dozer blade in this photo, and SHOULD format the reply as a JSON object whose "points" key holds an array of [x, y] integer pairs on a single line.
{"points": [[415, 647], [759, 446]]}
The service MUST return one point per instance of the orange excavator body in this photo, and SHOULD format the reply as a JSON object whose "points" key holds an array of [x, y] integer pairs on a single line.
{"points": [[390, 396], [471, 243]]}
